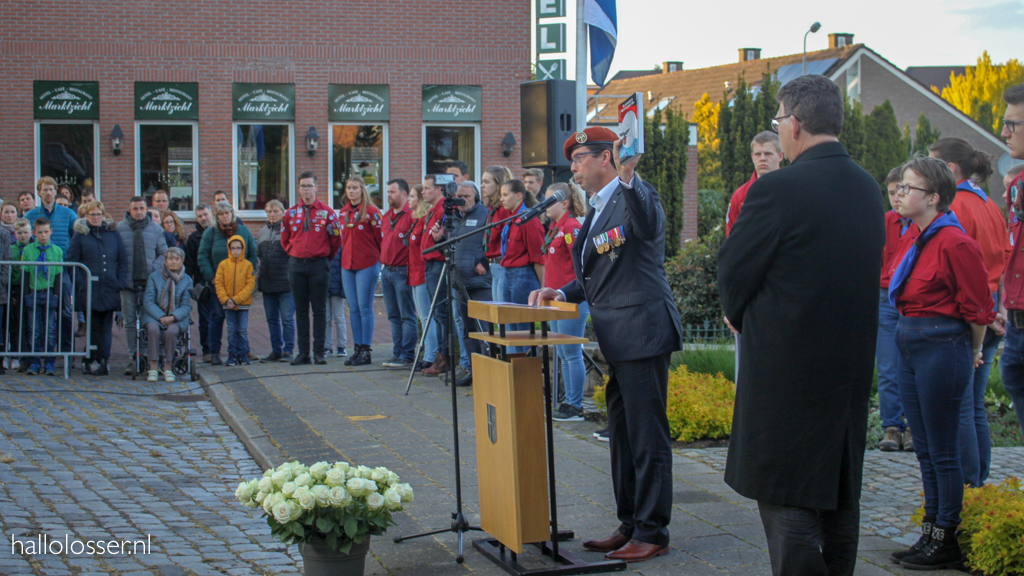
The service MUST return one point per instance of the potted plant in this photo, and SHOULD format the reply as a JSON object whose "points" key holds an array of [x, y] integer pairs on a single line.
{"points": [[329, 510]]}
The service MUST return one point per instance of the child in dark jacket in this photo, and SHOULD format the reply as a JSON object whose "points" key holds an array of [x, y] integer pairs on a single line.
{"points": [[336, 311]]}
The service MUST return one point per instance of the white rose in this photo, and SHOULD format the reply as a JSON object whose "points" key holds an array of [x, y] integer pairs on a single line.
{"points": [[259, 496], [268, 504], [244, 493], [363, 472], [392, 499], [369, 485], [334, 477], [288, 489], [374, 501], [339, 497], [304, 479], [322, 494], [406, 491], [296, 510], [355, 486], [392, 478], [268, 473], [318, 470], [283, 513], [379, 474], [280, 477], [266, 484], [304, 497]]}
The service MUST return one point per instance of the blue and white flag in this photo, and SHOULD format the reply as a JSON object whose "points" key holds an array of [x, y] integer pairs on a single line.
{"points": [[600, 16]]}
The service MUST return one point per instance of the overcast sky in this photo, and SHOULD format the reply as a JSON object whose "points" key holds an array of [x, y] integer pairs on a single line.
{"points": [[906, 32]]}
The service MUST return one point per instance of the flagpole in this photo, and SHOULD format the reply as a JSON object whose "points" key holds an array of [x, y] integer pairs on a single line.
{"points": [[581, 67]]}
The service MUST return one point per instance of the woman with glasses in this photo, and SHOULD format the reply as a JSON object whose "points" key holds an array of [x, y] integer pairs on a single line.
{"points": [[939, 287], [983, 220]]}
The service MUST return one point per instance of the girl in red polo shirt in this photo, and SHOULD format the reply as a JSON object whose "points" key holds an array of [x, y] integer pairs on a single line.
{"points": [[520, 248], [558, 271], [360, 263], [418, 274], [490, 190], [939, 287]]}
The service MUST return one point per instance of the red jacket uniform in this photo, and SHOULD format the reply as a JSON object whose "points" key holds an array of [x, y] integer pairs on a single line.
{"points": [[984, 222], [524, 243], [436, 215], [492, 237], [417, 267], [894, 234], [310, 231], [361, 237], [1013, 279], [394, 248], [558, 270], [949, 279], [736, 203]]}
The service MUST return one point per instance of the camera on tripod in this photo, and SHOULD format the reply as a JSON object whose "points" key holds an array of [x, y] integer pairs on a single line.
{"points": [[446, 182]]}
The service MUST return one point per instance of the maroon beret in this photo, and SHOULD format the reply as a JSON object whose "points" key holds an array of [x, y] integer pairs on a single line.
{"points": [[590, 136]]}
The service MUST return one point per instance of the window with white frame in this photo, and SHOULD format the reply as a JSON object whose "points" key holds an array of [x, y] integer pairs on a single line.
{"points": [[853, 80], [67, 152], [359, 150], [264, 165], [166, 158], [444, 143]]}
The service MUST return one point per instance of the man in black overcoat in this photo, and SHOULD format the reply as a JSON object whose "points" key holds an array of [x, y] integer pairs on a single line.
{"points": [[799, 279], [619, 264]]}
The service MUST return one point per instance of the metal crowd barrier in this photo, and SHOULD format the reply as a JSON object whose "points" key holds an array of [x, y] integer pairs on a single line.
{"points": [[40, 324]]}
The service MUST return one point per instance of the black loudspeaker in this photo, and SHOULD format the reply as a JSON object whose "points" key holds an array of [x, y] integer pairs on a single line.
{"points": [[548, 112]]}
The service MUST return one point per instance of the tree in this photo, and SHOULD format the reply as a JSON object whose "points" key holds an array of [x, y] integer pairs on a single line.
{"points": [[979, 91], [709, 163], [664, 166], [749, 113], [885, 147], [924, 135], [853, 136]]}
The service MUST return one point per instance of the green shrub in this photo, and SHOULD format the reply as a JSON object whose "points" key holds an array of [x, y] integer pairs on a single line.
{"points": [[992, 528], [699, 405], [693, 277], [710, 359], [712, 206]]}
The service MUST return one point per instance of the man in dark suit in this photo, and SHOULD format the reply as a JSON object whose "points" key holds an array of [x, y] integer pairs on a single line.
{"points": [[619, 264], [799, 277]]}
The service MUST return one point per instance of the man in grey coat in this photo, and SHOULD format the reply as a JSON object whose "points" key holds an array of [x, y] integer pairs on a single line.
{"points": [[145, 244], [472, 264]]}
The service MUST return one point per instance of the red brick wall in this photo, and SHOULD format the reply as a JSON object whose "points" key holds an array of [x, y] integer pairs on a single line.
{"points": [[690, 197], [311, 43]]}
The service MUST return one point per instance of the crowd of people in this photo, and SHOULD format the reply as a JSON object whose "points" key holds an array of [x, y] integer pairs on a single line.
{"points": [[943, 273], [308, 258]]}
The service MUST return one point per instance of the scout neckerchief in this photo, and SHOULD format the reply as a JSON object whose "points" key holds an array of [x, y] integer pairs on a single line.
{"points": [[970, 186], [350, 214], [904, 223], [508, 227], [42, 258], [946, 219], [393, 219], [548, 239], [487, 233]]}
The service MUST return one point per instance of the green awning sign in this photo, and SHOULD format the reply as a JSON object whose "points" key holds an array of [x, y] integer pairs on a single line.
{"points": [[452, 103], [166, 101], [66, 100], [262, 101], [359, 102]]}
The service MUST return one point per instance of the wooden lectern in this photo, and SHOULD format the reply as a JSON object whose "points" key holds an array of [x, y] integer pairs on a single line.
{"points": [[512, 408]]}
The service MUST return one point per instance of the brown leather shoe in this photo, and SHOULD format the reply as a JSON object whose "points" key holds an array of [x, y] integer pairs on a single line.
{"points": [[440, 366], [614, 542], [637, 551]]}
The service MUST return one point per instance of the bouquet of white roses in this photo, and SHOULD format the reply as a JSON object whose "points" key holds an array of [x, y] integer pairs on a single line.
{"points": [[338, 504]]}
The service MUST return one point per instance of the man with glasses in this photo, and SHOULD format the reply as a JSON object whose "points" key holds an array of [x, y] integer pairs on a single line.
{"points": [[619, 270], [803, 292], [311, 236], [1012, 306]]}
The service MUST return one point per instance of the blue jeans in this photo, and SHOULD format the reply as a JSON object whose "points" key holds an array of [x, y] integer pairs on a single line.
{"points": [[1011, 365], [401, 309], [359, 286], [935, 369], [574, 372], [463, 352], [497, 281], [441, 307], [975, 438], [886, 358], [519, 282], [216, 325], [44, 325], [422, 296], [280, 310], [238, 334]]}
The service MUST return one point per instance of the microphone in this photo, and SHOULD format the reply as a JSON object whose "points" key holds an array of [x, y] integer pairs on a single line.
{"points": [[553, 198]]}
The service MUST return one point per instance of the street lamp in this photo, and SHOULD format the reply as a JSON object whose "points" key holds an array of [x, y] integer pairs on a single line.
{"points": [[814, 28]]}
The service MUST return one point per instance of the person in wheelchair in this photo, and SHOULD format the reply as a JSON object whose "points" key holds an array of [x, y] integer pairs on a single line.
{"points": [[166, 309]]}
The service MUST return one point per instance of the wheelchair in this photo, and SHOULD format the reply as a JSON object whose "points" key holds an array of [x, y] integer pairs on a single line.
{"points": [[183, 352]]}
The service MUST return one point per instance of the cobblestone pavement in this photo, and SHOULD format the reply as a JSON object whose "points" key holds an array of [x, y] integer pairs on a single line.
{"points": [[94, 465]]}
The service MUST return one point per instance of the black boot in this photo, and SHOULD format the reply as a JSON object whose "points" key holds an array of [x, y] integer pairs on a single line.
{"points": [[926, 536], [363, 358], [943, 551], [102, 369], [351, 361], [87, 366]]}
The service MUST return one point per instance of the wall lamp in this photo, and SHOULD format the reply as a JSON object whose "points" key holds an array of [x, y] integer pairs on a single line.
{"points": [[312, 140], [116, 139], [508, 144]]}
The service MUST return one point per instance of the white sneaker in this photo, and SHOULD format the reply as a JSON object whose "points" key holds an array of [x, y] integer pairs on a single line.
{"points": [[153, 376], [169, 376]]}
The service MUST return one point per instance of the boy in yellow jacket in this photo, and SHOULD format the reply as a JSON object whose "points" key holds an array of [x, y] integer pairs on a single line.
{"points": [[235, 283]]}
